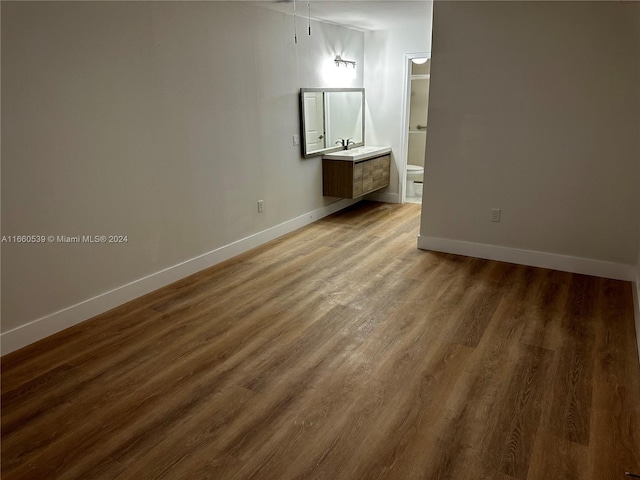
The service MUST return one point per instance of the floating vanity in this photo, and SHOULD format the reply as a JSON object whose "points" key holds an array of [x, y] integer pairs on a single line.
{"points": [[332, 119], [356, 172]]}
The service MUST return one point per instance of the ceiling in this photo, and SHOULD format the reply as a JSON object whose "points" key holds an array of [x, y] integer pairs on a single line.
{"points": [[358, 14]]}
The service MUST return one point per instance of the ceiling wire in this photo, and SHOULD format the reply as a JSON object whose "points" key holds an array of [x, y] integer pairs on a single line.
{"points": [[295, 27], [309, 15]]}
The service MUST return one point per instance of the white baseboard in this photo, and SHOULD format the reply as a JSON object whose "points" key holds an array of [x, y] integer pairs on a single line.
{"points": [[58, 321], [565, 263]]}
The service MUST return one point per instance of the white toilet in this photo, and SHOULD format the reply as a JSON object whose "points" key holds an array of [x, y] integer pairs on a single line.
{"points": [[414, 173]]}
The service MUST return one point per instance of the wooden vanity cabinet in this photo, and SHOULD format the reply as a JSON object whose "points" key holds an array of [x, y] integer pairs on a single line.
{"points": [[349, 179]]}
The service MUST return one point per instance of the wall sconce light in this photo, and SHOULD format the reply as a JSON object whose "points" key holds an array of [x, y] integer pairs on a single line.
{"points": [[337, 76], [339, 60]]}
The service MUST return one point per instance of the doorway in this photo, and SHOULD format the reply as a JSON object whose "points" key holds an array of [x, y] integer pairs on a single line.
{"points": [[314, 125], [417, 78]]}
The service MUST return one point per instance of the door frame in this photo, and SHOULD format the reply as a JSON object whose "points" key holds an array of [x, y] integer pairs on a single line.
{"points": [[406, 106], [322, 124]]}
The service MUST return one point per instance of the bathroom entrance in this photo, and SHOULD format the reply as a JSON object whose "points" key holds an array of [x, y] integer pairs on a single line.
{"points": [[417, 102]]}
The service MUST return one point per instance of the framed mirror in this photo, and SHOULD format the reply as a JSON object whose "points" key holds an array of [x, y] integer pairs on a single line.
{"points": [[329, 115]]}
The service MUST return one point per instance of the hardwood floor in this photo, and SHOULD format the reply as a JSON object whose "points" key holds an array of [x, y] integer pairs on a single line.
{"points": [[339, 351]]}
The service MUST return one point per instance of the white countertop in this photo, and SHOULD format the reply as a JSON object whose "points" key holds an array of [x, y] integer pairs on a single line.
{"points": [[358, 153]]}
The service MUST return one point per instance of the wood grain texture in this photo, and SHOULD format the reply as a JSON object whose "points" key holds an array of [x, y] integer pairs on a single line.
{"points": [[348, 179], [338, 179], [339, 351]]}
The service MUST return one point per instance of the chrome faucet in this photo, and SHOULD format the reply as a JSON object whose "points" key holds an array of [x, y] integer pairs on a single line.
{"points": [[345, 143]]}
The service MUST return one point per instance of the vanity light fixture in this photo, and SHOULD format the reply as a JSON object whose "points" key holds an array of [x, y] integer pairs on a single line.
{"points": [[339, 60]]}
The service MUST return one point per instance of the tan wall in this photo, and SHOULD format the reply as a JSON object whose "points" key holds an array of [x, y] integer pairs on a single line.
{"points": [[535, 109]]}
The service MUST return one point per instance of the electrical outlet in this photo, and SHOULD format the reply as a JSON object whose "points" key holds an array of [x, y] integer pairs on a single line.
{"points": [[495, 214], [260, 206], [296, 140]]}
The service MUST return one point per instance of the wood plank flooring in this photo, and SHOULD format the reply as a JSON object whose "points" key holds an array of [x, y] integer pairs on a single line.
{"points": [[339, 351]]}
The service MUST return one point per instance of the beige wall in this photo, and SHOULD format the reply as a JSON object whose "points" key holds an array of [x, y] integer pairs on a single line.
{"points": [[162, 121], [534, 109]]}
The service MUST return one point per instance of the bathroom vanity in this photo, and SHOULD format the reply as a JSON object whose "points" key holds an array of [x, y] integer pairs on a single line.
{"points": [[353, 173], [332, 125]]}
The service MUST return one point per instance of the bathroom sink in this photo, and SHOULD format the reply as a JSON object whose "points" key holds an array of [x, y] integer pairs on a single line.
{"points": [[359, 153]]}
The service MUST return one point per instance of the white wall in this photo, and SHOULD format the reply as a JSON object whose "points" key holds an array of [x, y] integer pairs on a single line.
{"points": [[535, 109], [162, 121], [384, 84]]}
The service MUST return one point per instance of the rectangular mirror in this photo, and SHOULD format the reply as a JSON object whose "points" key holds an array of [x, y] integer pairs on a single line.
{"points": [[329, 115]]}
